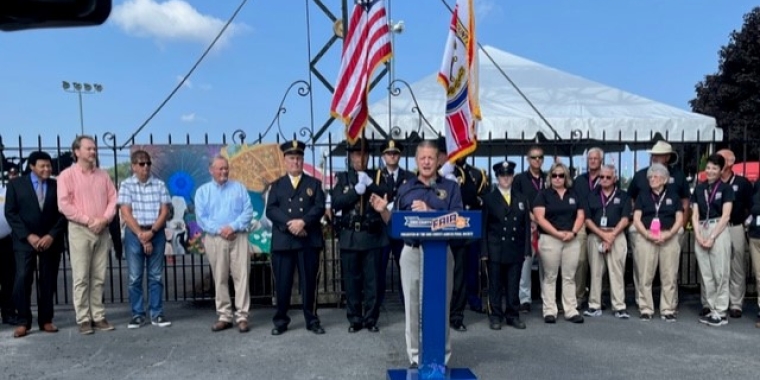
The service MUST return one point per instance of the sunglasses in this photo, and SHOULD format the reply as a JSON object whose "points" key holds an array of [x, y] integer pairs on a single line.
{"points": [[536, 157], [605, 177], [558, 175], [141, 164]]}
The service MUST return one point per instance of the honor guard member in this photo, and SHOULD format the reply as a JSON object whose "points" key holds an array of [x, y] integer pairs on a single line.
{"points": [[473, 184], [427, 192], [295, 206], [608, 213], [506, 244], [529, 183], [737, 284], [390, 178], [584, 186], [362, 237]]}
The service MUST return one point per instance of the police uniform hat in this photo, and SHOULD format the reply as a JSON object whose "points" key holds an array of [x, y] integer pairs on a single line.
{"points": [[392, 146], [293, 147], [504, 168], [360, 145], [441, 144]]}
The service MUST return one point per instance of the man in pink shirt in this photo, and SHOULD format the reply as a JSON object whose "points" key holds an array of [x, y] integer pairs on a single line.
{"points": [[87, 197]]}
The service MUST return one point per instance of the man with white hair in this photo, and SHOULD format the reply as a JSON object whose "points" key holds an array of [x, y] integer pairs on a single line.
{"points": [[585, 185], [737, 283]]}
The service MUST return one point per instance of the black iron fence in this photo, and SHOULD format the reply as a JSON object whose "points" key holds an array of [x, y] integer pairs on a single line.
{"points": [[187, 277]]}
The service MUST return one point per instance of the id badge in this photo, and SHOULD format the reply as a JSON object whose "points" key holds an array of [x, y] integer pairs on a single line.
{"points": [[603, 222]]}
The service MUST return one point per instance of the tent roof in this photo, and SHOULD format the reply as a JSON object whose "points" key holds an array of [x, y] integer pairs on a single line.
{"points": [[570, 104]]}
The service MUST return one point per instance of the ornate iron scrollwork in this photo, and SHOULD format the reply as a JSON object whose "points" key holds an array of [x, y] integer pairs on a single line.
{"points": [[303, 89], [422, 121], [109, 140], [239, 134]]}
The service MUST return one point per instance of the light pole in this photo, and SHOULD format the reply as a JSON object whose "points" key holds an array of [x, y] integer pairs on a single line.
{"points": [[79, 89]]}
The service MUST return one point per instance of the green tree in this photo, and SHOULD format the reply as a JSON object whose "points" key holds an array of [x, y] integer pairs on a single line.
{"points": [[122, 171], [732, 94]]}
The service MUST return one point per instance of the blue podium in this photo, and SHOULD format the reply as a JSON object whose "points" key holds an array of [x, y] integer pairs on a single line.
{"points": [[434, 229]]}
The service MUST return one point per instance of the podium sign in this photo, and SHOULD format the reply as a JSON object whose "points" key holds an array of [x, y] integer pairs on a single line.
{"points": [[434, 229]]}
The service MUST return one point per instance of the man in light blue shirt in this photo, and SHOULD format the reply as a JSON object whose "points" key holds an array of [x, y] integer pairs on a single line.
{"points": [[224, 213]]}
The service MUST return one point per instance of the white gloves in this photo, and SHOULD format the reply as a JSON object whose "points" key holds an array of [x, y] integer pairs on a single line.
{"points": [[364, 178], [360, 187], [446, 170]]}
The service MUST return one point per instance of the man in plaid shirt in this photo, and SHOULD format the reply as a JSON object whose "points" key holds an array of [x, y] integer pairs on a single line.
{"points": [[144, 204]]}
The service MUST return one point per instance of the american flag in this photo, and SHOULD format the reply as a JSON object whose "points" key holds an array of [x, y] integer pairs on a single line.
{"points": [[459, 76], [367, 45]]}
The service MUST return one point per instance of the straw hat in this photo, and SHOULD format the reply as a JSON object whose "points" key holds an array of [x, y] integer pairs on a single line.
{"points": [[662, 147]]}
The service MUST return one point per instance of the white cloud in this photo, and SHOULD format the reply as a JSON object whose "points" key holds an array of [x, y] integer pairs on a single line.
{"points": [[172, 20], [188, 117], [484, 8], [187, 83]]}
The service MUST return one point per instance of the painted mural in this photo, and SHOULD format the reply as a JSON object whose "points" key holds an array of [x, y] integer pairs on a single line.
{"points": [[184, 168]]}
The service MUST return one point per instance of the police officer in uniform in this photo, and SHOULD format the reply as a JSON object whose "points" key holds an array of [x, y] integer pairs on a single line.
{"points": [[390, 178], [506, 244], [295, 206], [473, 184], [362, 238]]}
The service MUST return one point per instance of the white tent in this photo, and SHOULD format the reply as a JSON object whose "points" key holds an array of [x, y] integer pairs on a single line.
{"points": [[571, 104]]}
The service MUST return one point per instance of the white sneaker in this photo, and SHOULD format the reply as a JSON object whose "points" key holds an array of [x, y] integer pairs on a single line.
{"points": [[622, 314], [592, 313]]}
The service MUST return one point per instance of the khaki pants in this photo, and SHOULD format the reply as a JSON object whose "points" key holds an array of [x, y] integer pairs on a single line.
{"points": [[715, 270], [411, 270], [647, 257], [754, 250], [737, 283], [556, 254], [230, 258], [582, 271], [89, 257], [614, 263]]}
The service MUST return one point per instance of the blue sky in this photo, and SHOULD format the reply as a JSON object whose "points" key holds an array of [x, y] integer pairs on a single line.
{"points": [[656, 49]]}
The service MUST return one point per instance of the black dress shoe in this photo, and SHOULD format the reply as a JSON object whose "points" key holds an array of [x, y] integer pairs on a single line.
{"points": [[354, 327], [550, 319], [373, 328], [525, 308], [413, 366], [316, 329], [279, 330], [735, 313], [458, 326], [518, 324]]}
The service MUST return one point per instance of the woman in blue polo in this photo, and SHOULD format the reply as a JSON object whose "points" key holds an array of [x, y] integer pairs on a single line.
{"points": [[711, 205], [559, 215]]}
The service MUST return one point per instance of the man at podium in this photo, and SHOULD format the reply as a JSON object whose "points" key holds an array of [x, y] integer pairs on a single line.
{"points": [[427, 192]]}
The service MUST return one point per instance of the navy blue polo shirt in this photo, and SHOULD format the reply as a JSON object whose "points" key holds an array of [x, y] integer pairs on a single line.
{"points": [[528, 185], [614, 207], [754, 226], [677, 182], [584, 186], [742, 198], [560, 212], [669, 204], [441, 195], [715, 194]]}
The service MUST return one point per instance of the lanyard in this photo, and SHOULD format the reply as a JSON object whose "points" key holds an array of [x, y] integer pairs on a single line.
{"points": [[657, 203], [606, 201], [592, 183], [710, 198], [536, 184]]}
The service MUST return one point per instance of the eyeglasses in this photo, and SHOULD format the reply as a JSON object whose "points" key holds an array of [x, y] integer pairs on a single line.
{"points": [[537, 157], [141, 164], [558, 175], [605, 177]]}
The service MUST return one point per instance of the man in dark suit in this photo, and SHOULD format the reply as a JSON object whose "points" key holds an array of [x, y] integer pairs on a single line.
{"points": [[362, 237], [37, 232], [506, 244], [7, 261], [295, 206], [390, 178]]}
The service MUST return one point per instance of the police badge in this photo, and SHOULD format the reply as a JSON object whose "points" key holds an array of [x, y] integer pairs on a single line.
{"points": [[309, 192], [521, 206], [441, 193]]}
